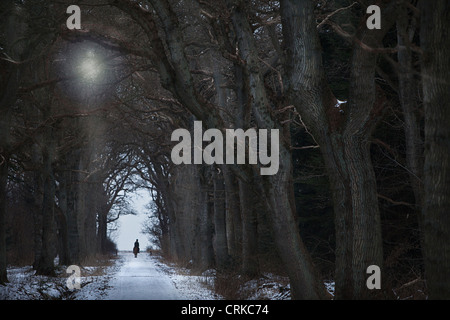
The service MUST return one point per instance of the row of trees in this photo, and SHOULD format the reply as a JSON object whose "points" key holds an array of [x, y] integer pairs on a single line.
{"points": [[339, 93], [64, 166]]}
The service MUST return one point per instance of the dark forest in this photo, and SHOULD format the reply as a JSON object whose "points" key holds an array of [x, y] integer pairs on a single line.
{"points": [[362, 110]]}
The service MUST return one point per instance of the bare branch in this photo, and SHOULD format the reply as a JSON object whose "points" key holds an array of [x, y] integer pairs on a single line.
{"points": [[333, 13]]}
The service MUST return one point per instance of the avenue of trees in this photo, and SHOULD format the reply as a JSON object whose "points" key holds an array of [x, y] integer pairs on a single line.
{"points": [[86, 118]]}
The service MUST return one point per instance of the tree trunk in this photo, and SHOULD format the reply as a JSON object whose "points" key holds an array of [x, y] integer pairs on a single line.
{"points": [[3, 184], [168, 194], [250, 262], [435, 19], [408, 88], [233, 212], [305, 283], [343, 137], [220, 229], [63, 241], [102, 219], [180, 189], [72, 178], [90, 207], [278, 187], [45, 265], [9, 77], [357, 221], [5, 125], [206, 259]]}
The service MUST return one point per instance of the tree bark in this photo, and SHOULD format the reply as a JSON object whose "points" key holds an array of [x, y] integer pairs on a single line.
{"points": [[220, 229], [63, 248], [250, 262], [233, 215], [6, 101], [9, 77], [44, 264], [72, 178], [408, 88], [305, 283], [103, 209], [343, 137], [206, 259], [435, 19], [278, 188], [3, 184]]}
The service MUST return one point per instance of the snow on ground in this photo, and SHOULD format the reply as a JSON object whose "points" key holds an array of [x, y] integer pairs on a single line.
{"points": [[102, 282], [144, 278], [97, 283], [25, 285], [191, 287], [268, 287]]}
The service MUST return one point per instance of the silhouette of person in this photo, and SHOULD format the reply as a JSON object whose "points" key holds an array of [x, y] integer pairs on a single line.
{"points": [[136, 248]]}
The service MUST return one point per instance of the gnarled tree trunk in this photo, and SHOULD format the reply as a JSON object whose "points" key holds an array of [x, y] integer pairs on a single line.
{"points": [[343, 136]]}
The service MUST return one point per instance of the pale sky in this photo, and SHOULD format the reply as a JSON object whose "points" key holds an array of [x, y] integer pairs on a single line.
{"points": [[130, 226]]}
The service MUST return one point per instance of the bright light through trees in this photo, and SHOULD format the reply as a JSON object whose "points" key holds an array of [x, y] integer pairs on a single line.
{"points": [[90, 68]]}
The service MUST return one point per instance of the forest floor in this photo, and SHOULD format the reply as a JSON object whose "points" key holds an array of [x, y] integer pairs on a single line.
{"points": [[126, 277]]}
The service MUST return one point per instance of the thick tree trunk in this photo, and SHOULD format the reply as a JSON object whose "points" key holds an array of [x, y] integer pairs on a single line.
{"points": [[296, 259], [206, 259], [44, 263], [12, 31], [220, 229], [168, 193], [181, 200], [80, 205], [279, 187], [102, 224], [37, 193], [90, 222], [61, 217], [250, 262], [63, 240], [102, 208], [72, 178], [343, 137], [357, 222], [435, 21], [233, 215], [86, 202], [5, 125], [3, 184], [407, 89]]}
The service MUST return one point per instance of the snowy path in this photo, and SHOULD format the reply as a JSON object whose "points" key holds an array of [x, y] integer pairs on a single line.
{"points": [[139, 279]]}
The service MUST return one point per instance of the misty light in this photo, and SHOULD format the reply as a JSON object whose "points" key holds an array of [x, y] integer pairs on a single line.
{"points": [[90, 67]]}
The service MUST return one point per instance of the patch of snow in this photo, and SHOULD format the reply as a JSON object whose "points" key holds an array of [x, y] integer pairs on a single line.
{"points": [[98, 282], [267, 287], [25, 285], [329, 285], [191, 287], [94, 286]]}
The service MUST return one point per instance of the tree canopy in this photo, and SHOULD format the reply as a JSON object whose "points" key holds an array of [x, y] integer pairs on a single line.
{"points": [[350, 101]]}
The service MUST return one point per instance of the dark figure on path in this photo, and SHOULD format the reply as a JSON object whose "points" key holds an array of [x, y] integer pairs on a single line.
{"points": [[136, 248]]}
